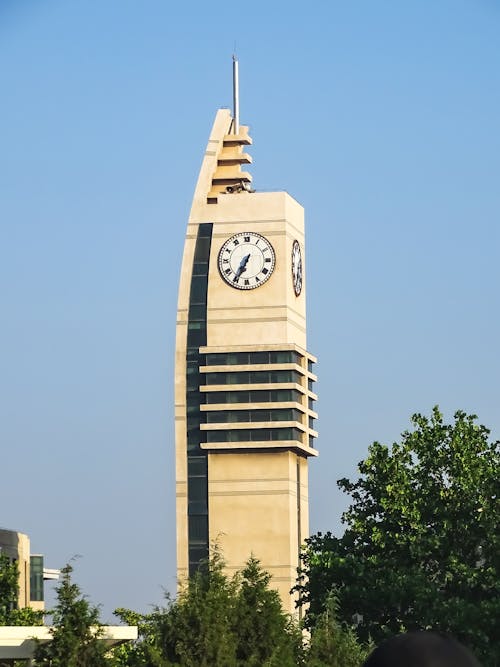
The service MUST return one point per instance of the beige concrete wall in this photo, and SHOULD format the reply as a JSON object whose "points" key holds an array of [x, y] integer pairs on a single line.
{"points": [[253, 511], [17, 547]]}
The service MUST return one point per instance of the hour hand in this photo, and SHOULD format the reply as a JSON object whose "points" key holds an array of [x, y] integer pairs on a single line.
{"points": [[243, 265]]}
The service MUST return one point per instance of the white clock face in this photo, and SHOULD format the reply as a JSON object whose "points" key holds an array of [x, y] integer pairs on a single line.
{"points": [[296, 268], [246, 260]]}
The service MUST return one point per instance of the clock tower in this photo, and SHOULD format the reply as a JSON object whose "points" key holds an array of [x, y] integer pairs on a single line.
{"points": [[244, 399]]}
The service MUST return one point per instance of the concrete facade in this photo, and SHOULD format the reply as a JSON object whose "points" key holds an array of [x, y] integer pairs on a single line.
{"points": [[32, 573], [17, 547], [244, 404]]}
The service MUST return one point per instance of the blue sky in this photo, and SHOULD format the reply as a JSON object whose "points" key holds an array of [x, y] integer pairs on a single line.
{"points": [[380, 118]]}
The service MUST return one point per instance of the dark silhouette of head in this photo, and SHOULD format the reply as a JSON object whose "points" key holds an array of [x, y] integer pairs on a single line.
{"points": [[421, 649]]}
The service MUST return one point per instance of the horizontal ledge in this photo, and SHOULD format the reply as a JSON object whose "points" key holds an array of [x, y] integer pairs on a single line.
{"points": [[242, 446]]}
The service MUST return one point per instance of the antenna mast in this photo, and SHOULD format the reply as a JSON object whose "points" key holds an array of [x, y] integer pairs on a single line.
{"points": [[236, 98]]}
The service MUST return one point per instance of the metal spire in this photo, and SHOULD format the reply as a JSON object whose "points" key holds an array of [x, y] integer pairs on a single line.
{"points": [[236, 98]]}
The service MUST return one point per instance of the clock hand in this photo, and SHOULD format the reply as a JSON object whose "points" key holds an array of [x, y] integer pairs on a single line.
{"points": [[243, 265]]}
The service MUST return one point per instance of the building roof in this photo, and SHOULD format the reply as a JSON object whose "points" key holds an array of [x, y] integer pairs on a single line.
{"points": [[18, 643]]}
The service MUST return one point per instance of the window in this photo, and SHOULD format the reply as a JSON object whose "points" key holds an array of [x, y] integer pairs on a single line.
{"points": [[231, 416], [254, 435], [197, 488], [198, 529], [243, 358], [253, 377], [255, 396], [36, 578], [197, 466]]}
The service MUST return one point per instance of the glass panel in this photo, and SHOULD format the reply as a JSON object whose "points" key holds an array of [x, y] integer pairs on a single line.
{"points": [[281, 376], [197, 338], [197, 312], [261, 435], [259, 358], [230, 358], [205, 229], [198, 529], [194, 398], [282, 434], [193, 436], [202, 251], [36, 578], [297, 434], [212, 359], [281, 357], [200, 268], [198, 292], [197, 466], [197, 507], [198, 488], [281, 415], [255, 396], [297, 415], [283, 395]]}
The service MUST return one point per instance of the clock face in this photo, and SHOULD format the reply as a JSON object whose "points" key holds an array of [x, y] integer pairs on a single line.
{"points": [[296, 268], [246, 260]]}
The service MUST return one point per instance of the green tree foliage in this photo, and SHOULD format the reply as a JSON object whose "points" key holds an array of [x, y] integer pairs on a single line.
{"points": [[10, 614], [421, 548], [217, 620], [335, 644], [76, 630], [9, 588]]}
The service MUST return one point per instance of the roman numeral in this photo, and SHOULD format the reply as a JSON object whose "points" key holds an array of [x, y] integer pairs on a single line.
{"points": [[267, 259], [227, 271], [225, 261], [236, 242], [265, 271], [247, 239], [247, 282]]}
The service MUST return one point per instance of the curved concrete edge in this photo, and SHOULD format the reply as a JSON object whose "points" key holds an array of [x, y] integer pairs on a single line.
{"points": [[18, 642]]}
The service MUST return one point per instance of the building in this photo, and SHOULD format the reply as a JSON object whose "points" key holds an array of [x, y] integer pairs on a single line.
{"points": [[19, 642], [244, 401], [32, 572]]}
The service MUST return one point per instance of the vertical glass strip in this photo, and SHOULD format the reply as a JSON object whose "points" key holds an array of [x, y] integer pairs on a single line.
{"points": [[197, 486]]}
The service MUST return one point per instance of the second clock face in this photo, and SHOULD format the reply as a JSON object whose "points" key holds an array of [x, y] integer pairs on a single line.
{"points": [[296, 268], [246, 260]]}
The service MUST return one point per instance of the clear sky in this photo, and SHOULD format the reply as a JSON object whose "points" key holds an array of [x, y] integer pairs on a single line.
{"points": [[381, 118]]}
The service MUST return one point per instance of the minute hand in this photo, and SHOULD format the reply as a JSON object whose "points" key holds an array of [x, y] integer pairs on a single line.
{"points": [[243, 265]]}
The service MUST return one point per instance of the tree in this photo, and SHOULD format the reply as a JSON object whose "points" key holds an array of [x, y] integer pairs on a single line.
{"points": [[421, 547], [216, 620], [266, 635], [10, 614], [75, 635], [333, 643]]}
